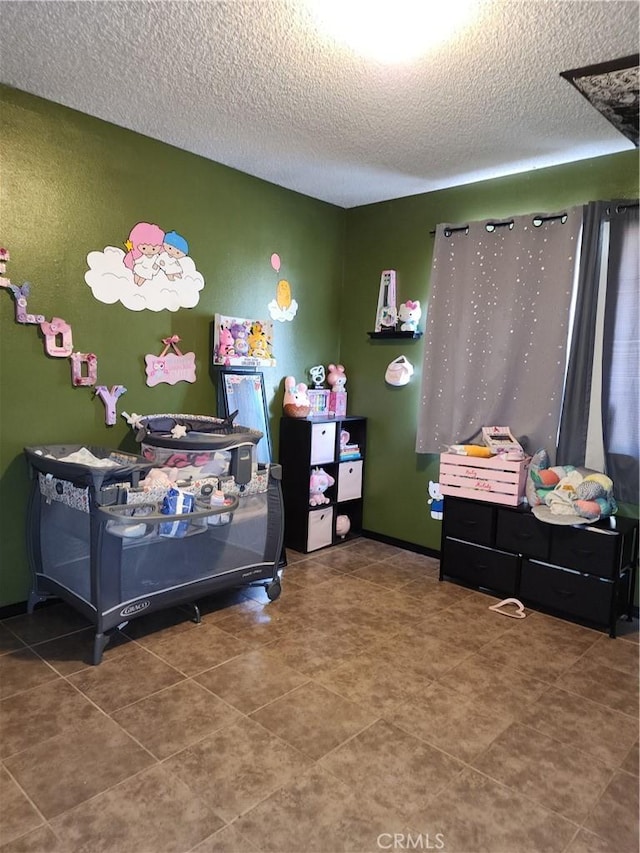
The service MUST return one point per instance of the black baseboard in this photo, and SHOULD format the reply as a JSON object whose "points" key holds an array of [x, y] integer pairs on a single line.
{"points": [[400, 543]]}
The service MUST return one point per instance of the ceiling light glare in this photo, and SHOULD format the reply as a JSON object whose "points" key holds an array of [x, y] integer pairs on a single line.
{"points": [[392, 30]]}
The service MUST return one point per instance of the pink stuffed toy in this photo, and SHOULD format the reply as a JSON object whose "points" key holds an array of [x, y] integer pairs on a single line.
{"points": [[319, 482], [296, 403], [336, 377]]}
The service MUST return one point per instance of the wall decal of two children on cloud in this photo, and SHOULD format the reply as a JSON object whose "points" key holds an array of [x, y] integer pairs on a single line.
{"points": [[150, 250]]}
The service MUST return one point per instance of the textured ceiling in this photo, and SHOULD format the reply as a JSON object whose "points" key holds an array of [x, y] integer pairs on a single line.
{"points": [[255, 86]]}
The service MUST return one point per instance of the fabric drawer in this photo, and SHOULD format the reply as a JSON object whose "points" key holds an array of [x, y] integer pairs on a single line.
{"points": [[575, 594], [470, 521], [320, 530], [323, 443], [349, 480], [522, 533], [480, 566], [585, 550]]}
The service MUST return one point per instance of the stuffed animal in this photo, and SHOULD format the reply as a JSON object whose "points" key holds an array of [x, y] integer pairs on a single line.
{"points": [[436, 499], [567, 495], [409, 315], [336, 377], [319, 482], [296, 403], [226, 343]]}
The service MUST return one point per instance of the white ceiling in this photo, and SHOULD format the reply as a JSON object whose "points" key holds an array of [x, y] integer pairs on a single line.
{"points": [[255, 86]]}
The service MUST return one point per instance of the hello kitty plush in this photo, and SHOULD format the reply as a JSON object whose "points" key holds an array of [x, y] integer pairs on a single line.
{"points": [[319, 482], [436, 499], [296, 403], [409, 314]]}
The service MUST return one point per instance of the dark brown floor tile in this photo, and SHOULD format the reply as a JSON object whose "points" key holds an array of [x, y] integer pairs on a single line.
{"points": [[192, 648], [316, 812], [17, 814], [226, 840], [237, 767], [434, 594], [448, 720], [131, 676], [153, 811], [308, 573], [312, 652], [46, 622], [622, 656], [8, 641], [251, 680], [35, 715], [630, 764], [605, 734], [428, 566], [74, 652], [602, 684], [175, 718], [615, 816], [587, 842], [550, 773], [313, 720], [376, 550], [23, 670], [345, 558], [494, 690], [41, 840], [537, 651], [391, 574], [424, 657], [371, 682], [259, 626], [78, 764], [389, 767], [477, 815]]}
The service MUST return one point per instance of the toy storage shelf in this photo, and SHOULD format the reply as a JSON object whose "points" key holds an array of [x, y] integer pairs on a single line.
{"points": [[582, 572], [308, 443], [393, 335], [91, 547]]}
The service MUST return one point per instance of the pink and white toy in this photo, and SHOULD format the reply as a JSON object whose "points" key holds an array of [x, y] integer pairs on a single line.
{"points": [[319, 482], [296, 403]]}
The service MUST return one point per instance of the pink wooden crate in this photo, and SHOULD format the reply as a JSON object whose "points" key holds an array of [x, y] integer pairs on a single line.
{"points": [[495, 479]]}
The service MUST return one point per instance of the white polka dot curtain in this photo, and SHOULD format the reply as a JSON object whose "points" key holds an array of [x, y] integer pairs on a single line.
{"points": [[496, 329]]}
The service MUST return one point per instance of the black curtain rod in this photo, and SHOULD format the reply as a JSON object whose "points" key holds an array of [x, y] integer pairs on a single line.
{"points": [[622, 207], [491, 226]]}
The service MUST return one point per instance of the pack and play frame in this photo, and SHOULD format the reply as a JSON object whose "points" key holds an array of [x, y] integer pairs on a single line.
{"points": [[80, 551]]}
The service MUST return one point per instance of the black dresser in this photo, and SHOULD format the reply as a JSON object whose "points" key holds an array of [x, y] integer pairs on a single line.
{"points": [[585, 572]]}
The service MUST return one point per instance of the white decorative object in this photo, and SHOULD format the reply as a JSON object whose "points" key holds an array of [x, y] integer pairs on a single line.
{"points": [[399, 371]]}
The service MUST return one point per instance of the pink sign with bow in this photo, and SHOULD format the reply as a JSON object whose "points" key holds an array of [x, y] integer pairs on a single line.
{"points": [[170, 367]]}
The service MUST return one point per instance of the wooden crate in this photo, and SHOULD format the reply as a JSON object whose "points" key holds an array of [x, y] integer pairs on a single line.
{"points": [[496, 479]]}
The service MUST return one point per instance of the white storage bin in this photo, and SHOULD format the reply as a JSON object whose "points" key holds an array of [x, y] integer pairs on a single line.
{"points": [[323, 443], [320, 531], [349, 480]]}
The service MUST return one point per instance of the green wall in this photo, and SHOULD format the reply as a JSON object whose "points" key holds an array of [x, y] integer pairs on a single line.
{"points": [[395, 235], [72, 184]]}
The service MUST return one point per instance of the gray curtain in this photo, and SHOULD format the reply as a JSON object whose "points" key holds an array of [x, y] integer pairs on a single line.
{"points": [[621, 354], [496, 330], [572, 438]]}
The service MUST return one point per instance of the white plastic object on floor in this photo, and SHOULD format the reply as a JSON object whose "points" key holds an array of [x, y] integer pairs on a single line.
{"points": [[519, 612]]}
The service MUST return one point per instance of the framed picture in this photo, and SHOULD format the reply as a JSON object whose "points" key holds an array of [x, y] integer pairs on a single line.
{"points": [[241, 391], [239, 342]]}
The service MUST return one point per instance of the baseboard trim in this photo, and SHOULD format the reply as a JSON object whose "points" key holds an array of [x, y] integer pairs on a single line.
{"points": [[400, 543]]}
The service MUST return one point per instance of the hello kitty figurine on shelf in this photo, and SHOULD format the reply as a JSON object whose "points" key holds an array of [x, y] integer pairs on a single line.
{"points": [[337, 379], [296, 402], [409, 315], [319, 482]]}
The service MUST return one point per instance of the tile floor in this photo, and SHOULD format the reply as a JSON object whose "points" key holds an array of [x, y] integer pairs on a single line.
{"points": [[369, 708]]}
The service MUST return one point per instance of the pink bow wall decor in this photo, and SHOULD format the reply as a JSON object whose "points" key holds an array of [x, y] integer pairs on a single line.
{"points": [[170, 367]]}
